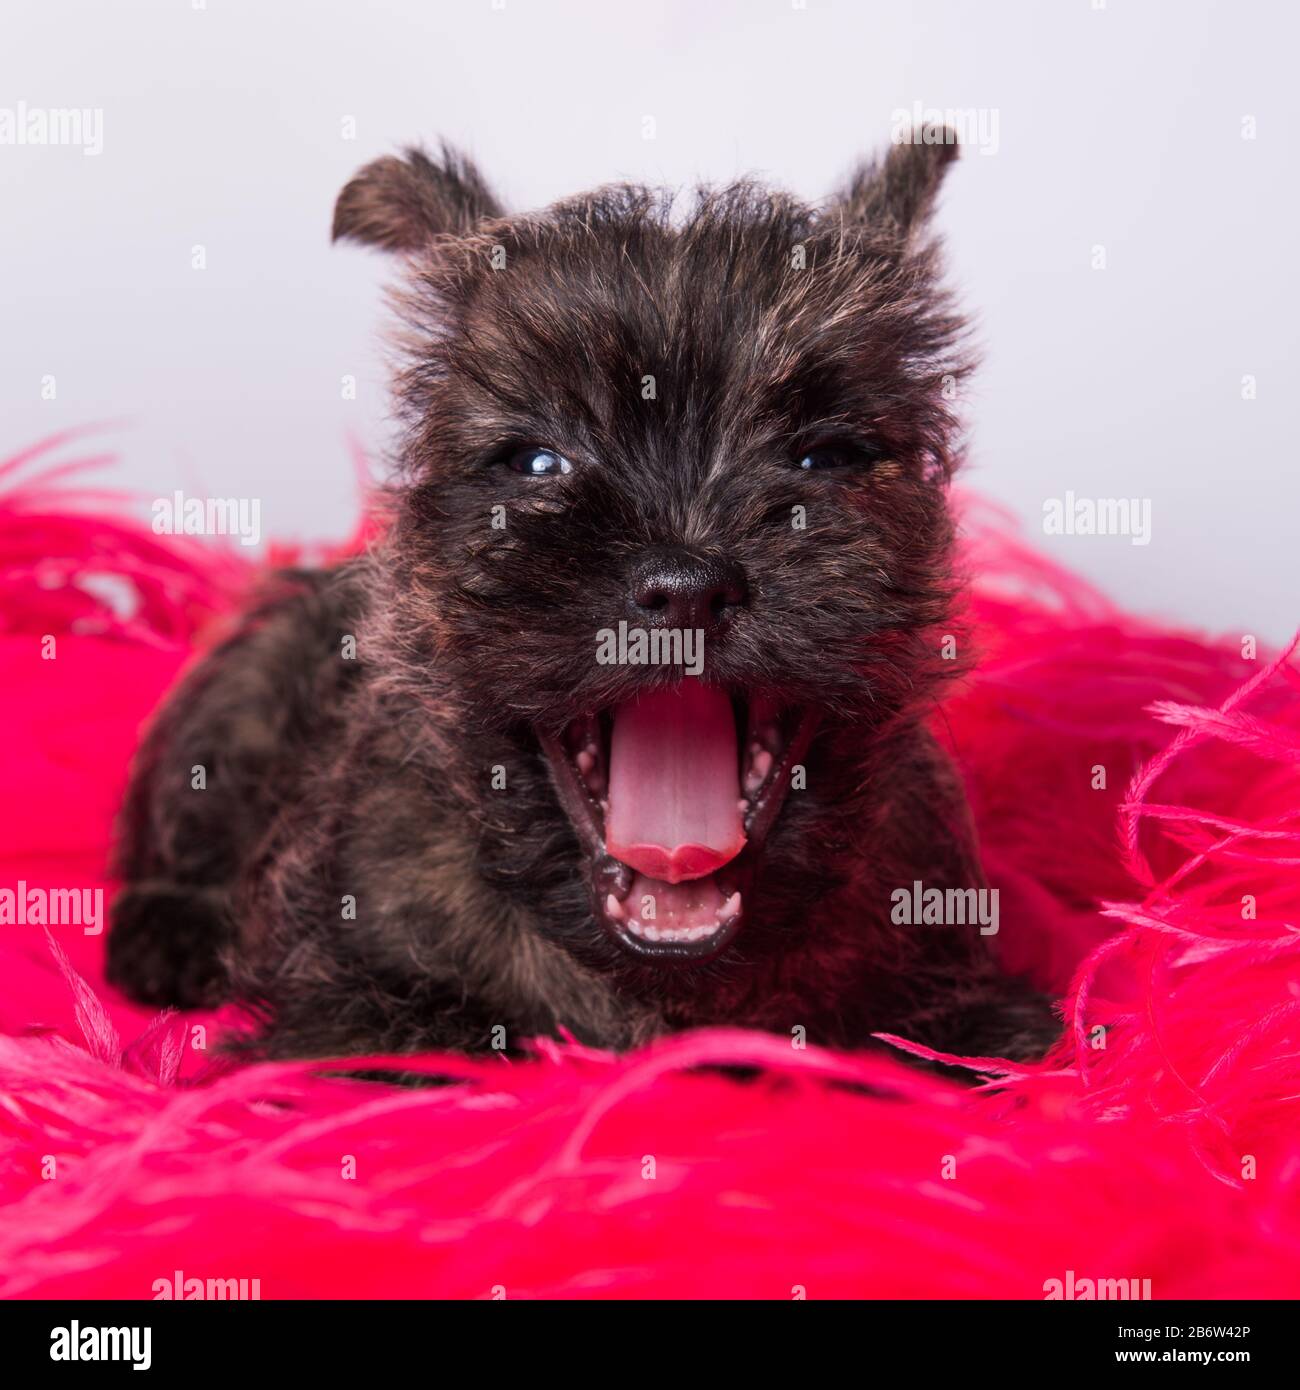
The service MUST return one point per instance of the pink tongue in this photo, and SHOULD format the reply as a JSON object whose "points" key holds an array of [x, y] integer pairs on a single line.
{"points": [[674, 783]]}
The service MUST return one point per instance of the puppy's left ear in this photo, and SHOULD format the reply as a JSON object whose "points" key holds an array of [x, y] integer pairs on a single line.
{"points": [[899, 191], [400, 204]]}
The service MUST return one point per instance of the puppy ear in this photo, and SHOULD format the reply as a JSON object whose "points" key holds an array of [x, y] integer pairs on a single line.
{"points": [[900, 189], [400, 204]]}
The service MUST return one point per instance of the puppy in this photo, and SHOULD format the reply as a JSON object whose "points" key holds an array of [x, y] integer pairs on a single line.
{"points": [[622, 726]]}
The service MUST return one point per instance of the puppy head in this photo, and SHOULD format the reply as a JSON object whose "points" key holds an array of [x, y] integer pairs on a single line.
{"points": [[672, 511]]}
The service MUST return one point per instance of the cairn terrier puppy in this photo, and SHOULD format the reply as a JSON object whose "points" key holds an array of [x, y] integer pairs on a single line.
{"points": [[621, 726]]}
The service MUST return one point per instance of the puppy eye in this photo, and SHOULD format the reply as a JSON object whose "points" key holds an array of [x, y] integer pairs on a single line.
{"points": [[824, 457], [538, 463]]}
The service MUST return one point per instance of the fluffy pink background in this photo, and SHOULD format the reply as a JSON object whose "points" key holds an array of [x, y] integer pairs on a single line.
{"points": [[1171, 1154]]}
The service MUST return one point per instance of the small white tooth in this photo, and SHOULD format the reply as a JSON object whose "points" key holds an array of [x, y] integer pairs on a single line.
{"points": [[585, 761], [763, 764], [615, 909], [729, 908]]}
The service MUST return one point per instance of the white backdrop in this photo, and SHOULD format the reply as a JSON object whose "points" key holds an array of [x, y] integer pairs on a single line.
{"points": [[1148, 134]]}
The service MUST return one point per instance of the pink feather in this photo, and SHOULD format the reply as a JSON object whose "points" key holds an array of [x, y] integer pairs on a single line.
{"points": [[1161, 1140]]}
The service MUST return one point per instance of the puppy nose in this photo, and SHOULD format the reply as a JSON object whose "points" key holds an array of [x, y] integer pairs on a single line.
{"points": [[675, 588]]}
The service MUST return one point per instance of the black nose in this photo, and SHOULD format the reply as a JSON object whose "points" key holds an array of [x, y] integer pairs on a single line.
{"points": [[674, 588]]}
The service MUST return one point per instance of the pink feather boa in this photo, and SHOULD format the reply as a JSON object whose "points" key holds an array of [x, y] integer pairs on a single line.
{"points": [[1170, 1153]]}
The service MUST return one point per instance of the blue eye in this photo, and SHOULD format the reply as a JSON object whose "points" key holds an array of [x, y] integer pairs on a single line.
{"points": [[828, 456], [538, 463]]}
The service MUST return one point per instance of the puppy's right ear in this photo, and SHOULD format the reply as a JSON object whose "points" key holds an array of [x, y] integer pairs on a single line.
{"points": [[400, 204]]}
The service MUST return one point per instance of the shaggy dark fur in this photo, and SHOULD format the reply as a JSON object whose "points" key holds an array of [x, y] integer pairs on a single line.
{"points": [[354, 867]]}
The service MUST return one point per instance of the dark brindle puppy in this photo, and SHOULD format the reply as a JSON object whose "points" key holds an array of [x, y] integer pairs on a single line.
{"points": [[478, 827]]}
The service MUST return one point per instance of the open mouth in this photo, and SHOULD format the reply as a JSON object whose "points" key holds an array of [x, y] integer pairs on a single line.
{"points": [[672, 795]]}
